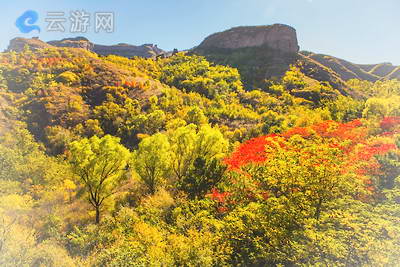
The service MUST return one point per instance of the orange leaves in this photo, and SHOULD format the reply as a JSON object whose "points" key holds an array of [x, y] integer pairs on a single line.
{"points": [[356, 149], [51, 61], [131, 84], [218, 196], [303, 132], [253, 151]]}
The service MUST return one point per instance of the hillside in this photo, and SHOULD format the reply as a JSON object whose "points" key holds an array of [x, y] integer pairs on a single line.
{"points": [[347, 70], [241, 152]]}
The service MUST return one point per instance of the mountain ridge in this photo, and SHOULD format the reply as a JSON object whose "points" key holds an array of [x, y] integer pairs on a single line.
{"points": [[259, 52], [121, 49]]}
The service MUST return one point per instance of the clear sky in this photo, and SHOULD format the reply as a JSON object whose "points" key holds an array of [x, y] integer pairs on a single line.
{"points": [[362, 31]]}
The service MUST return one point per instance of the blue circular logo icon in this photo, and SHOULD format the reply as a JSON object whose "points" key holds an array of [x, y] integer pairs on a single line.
{"points": [[25, 23]]}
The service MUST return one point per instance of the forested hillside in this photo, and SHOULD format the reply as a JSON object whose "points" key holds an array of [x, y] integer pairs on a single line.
{"points": [[179, 161]]}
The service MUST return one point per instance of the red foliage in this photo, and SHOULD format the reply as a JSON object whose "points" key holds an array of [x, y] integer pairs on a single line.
{"points": [[218, 196], [222, 209], [304, 132], [359, 159], [389, 123], [265, 195], [252, 151]]}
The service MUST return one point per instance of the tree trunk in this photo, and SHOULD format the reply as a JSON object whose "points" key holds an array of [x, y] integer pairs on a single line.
{"points": [[318, 211], [97, 215]]}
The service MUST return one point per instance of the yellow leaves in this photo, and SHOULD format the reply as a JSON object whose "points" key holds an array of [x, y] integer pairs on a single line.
{"points": [[14, 203], [69, 185], [68, 78], [162, 200]]}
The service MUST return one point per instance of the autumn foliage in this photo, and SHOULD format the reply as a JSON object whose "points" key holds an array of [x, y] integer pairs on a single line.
{"points": [[346, 147]]}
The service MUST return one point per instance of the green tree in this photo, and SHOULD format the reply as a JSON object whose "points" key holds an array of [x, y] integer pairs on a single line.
{"points": [[203, 176], [152, 160], [188, 144], [100, 163]]}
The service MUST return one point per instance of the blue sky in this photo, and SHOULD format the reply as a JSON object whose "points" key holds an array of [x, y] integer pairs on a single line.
{"points": [[362, 31]]}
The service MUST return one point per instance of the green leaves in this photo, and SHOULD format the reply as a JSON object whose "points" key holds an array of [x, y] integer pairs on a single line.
{"points": [[100, 163], [189, 144], [195, 74], [152, 161]]}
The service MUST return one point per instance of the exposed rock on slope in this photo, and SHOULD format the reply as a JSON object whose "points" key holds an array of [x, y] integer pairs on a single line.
{"points": [[78, 42], [278, 36], [124, 50], [18, 44], [127, 50]]}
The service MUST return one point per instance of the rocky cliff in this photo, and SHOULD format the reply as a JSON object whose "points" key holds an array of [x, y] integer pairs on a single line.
{"points": [[278, 36]]}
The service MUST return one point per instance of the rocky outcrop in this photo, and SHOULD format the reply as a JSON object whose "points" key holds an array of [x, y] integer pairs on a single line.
{"points": [[18, 44], [78, 42], [124, 50], [127, 50], [278, 36]]}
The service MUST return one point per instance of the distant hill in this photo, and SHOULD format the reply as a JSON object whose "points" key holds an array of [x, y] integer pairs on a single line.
{"points": [[347, 70], [125, 50]]}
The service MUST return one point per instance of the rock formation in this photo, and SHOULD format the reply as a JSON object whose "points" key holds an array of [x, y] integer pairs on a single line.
{"points": [[124, 50], [278, 36], [78, 42], [127, 50], [18, 44]]}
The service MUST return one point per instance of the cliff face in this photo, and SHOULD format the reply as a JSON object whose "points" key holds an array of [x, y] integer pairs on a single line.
{"points": [[278, 36]]}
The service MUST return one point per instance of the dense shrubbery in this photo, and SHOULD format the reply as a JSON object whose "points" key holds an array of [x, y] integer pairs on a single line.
{"points": [[140, 162]]}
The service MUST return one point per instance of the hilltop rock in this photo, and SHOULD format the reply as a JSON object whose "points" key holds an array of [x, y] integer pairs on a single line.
{"points": [[278, 36], [78, 42], [18, 44]]}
